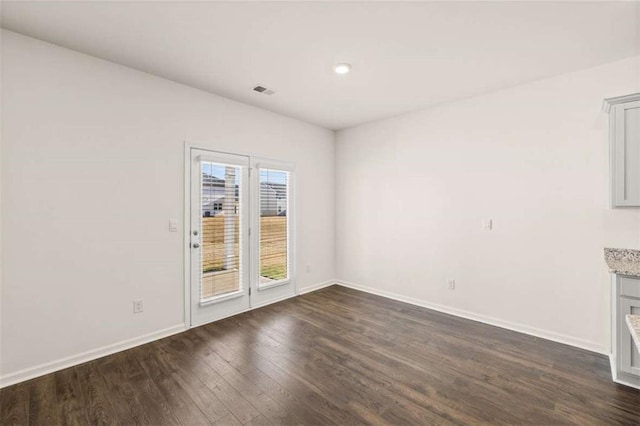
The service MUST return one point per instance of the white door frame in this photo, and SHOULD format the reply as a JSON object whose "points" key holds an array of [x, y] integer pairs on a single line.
{"points": [[254, 159]]}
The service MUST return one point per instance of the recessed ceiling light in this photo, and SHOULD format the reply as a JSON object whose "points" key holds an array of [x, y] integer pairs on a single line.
{"points": [[342, 68]]}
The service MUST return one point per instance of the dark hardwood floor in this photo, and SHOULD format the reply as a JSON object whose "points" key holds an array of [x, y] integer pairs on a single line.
{"points": [[335, 356]]}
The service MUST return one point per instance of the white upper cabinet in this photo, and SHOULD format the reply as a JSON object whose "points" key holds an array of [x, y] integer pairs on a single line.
{"points": [[624, 122]]}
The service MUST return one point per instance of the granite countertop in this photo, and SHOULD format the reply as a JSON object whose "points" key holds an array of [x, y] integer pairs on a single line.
{"points": [[623, 261], [633, 321]]}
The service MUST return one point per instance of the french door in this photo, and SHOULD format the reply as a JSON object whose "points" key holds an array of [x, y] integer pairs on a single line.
{"points": [[240, 233]]}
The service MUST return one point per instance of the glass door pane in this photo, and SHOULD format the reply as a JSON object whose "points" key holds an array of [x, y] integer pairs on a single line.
{"points": [[220, 225], [274, 226]]}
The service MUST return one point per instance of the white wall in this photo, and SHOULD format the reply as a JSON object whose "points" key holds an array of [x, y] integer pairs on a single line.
{"points": [[92, 170], [412, 192]]}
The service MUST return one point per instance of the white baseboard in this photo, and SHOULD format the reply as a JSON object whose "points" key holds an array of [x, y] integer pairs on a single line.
{"points": [[612, 364], [50, 367], [521, 328], [53, 366], [315, 287]]}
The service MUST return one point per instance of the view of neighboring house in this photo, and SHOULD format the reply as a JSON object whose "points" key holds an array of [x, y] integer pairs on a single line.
{"points": [[213, 189], [273, 197]]}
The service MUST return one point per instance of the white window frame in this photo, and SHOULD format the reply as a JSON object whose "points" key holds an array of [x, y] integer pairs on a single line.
{"points": [[258, 163]]}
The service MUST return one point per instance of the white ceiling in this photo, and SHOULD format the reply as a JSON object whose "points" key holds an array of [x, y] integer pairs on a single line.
{"points": [[405, 56]]}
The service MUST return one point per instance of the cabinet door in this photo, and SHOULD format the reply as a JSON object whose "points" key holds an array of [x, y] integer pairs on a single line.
{"points": [[626, 155], [628, 355]]}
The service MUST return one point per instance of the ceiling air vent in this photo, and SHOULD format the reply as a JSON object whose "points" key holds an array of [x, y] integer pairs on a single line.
{"points": [[263, 90]]}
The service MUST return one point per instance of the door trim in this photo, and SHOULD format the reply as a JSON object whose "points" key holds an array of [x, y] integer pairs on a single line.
{"points": [[186, 222], [186, 231]]}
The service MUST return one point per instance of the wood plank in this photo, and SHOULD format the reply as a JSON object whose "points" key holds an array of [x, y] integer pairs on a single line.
{"points": [[122, 395], [199, 393], [96, 397], [293, 403], [70, 398], [269, 409], [14, 404], [234, 401], [43, 409], [178, 400], [155, 405]]}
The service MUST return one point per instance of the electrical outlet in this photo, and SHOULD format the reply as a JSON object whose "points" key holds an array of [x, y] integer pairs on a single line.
{"points": [[452, 284], [137, 306]]}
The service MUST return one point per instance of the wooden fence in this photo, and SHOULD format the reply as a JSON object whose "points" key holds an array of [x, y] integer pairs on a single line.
{"points": [[273, 244]]}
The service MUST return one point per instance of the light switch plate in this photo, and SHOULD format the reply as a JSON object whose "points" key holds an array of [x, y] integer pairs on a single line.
{"points": [[173, 225]]}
